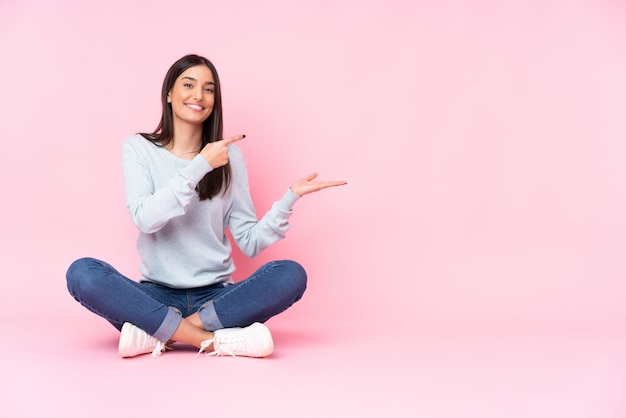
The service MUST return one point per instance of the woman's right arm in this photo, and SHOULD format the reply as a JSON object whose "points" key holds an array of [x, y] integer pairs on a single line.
{"points": [[150, 208]]}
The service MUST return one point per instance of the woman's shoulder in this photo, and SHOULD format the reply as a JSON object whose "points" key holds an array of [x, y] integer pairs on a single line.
{"points": [[138, 147], [139, 142], [136, 139]]}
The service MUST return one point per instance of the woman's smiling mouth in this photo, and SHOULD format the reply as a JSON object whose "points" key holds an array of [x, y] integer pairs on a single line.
{"points": [[194, 107]]}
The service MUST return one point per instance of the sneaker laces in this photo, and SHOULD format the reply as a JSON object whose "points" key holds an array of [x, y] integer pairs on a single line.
{"points": [[205, 344], [218, 349], [159, 348]]}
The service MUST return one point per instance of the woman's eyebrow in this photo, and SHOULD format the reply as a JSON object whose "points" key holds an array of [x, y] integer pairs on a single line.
{"points": [[193, 79]]}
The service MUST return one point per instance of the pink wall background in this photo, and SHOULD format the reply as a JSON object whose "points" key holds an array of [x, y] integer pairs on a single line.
{"points": [[484, 145]]}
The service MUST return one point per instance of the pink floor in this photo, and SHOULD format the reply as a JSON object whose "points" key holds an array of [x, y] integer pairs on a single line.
{"points": [[315, 371]]}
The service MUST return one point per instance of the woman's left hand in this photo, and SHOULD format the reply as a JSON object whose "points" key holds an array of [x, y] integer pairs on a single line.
{"points": [[309, 185]]}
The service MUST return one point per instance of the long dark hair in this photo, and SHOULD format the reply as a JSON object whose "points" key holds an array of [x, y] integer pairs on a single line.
{"points": [[217, 179]]}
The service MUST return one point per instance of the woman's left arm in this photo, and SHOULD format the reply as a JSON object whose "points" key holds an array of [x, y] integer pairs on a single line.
{"points": [[253, 235]]}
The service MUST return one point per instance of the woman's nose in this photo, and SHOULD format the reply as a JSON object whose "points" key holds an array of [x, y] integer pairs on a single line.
{"points": [[197, 93]]}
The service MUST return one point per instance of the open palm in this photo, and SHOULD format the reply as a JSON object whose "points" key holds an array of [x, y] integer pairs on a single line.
{"points": [[308, 185]]}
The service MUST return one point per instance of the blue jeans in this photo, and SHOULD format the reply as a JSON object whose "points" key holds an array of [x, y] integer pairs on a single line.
{"points": [[159, 309]]}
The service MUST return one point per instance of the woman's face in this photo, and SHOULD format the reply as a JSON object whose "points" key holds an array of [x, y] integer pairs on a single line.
{"points": [[193, 95]]}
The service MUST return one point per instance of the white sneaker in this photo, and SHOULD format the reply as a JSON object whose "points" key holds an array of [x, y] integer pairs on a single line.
{"points": [[252, 341], [135, 341]]}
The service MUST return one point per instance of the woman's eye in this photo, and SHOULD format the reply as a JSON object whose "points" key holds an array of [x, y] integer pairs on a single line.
{"points": [[189, 85], [209, 90]]}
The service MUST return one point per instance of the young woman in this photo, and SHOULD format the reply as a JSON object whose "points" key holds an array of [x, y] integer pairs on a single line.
{"points": [[184, 186]]}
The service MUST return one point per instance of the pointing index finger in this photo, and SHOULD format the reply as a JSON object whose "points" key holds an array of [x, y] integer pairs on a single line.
{"points": [[232, 139]]}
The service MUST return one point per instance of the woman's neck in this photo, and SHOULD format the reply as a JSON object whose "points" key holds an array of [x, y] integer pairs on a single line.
{"points": [[186, 142]]}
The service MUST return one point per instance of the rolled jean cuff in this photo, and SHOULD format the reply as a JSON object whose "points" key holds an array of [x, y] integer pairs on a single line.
{"points": [[168, 326], [209, 318]]}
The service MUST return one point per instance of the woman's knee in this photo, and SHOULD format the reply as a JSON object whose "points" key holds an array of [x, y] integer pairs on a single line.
{"points": [[82, 274], [79, 268], [295, 275]]}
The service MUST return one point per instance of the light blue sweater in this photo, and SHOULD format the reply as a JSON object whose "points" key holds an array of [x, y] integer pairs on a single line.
{"points": [[182, 240]]}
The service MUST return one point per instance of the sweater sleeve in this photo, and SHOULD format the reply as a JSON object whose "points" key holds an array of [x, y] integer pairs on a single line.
{"points": [[150, 207], [250, 234]]}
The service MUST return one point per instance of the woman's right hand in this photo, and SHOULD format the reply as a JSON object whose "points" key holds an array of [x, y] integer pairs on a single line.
{"points": [[216, 153]]}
